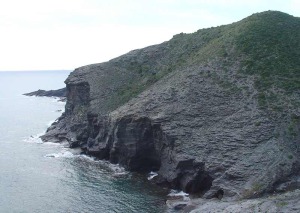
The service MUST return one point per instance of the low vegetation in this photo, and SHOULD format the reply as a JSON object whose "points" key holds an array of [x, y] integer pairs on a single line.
{"points": [[265, 44]]}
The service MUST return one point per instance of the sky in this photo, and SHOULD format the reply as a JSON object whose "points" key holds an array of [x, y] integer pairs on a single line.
{"points": [[66, 34]]}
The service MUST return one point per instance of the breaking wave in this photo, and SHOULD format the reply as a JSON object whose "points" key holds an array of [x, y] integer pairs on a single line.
{"points": [[179, 194], [34, 138], [65, 154], [151, 175]]}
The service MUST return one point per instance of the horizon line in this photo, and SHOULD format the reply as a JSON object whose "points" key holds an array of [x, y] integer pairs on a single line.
{"points": [[36, 70]]}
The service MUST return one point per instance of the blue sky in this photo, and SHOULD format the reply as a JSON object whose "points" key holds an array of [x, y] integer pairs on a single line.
{"points": [[65, 34]]}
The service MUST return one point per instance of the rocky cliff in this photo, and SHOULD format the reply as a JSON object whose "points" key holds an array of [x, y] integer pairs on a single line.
{"points": [[215, 112]]}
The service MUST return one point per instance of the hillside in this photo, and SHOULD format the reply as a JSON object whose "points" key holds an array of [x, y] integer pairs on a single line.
{"points": [[215, 112]]}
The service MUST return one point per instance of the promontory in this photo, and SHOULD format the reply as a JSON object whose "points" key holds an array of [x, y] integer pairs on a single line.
{"points": [[215, 112]]}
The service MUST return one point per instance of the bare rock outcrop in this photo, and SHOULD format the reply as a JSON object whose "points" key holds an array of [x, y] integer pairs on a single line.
{"points": [[193, 110], [61, 93]]}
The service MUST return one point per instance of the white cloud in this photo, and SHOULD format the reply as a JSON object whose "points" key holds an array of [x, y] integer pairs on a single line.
{"points": [[295, 7], [64, 34]]}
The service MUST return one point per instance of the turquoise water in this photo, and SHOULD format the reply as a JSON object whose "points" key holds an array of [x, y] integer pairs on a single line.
{"points": [[48, 177]]}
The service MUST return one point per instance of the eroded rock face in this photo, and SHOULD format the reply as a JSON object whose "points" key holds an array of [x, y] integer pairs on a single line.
{"points": [[139, 144], [134, 144], [282, 202], [201, 127], [198, 136], [73, 122]]}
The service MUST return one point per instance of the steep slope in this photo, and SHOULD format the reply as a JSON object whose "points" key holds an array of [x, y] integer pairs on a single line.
{"points": [[216, 111]]}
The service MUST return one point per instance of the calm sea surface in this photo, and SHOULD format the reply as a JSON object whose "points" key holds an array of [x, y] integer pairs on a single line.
{"points": [[47, 177]]}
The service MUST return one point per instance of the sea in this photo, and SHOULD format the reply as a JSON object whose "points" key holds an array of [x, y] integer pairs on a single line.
{"points": [[41, 177]]}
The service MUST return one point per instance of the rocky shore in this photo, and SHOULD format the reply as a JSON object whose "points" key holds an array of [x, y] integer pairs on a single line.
{"points": [[203, 110], [286, 202], [60, 93]]}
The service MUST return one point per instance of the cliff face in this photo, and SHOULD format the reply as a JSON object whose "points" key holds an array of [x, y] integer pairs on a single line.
{"points": [[216, 111]]}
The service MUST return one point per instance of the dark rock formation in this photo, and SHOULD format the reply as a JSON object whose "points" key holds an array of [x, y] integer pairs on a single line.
{"points": [[211, 112], [50, 93], [287, 202]]}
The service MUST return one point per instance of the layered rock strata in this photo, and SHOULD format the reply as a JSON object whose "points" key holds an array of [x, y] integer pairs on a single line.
{"points": [[200, 124]]}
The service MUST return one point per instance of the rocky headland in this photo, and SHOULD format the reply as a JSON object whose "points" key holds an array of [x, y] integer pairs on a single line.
{"points": [[60, 93], [214, 113]]}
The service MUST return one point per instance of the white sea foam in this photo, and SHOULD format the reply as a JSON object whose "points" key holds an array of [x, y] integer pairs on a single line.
{"points": [[176, 193], [34, 138], [52, 144], [89, 158], [50, 123], [65, 154], [117, 170], [151, 175]]}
